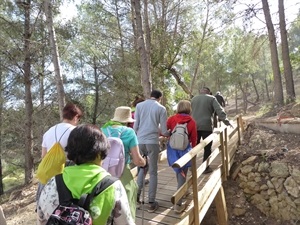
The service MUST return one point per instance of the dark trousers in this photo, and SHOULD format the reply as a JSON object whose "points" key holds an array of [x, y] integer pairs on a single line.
{"points": [[207, 149]]}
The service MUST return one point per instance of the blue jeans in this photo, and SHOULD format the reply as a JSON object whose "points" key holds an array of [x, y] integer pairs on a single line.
{"points": [[152, 151]]}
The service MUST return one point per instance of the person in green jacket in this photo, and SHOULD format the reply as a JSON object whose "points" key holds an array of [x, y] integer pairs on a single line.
{"points": [[87, 147], [203, 107]]}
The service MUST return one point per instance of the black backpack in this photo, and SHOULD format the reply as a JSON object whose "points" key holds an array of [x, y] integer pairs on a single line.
{"points": [[72, 211]]}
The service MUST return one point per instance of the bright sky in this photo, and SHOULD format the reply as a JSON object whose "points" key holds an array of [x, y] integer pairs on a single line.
{"points": [[291, 11]]}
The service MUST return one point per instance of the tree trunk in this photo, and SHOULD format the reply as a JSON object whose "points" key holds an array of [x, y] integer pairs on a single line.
{"points": [[28, 98], [244, 89], [96, 77], [288, 73], [55, 56], [1, 110], [179, 80], [266, 86], [236, 100], [199, 51], [255, 88], [146, 80], [278, 91]]}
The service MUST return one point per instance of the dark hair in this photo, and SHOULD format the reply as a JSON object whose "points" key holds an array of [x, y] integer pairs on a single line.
{"points": [[85, 143], [156, 94], [205, 90], [137, 100], [71, 110]]}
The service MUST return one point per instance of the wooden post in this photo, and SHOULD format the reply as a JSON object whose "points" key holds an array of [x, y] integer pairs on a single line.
{"points": [[242, 124], [238, 129], [226, 152], [221, 207], [223, 156], [195, 191]]}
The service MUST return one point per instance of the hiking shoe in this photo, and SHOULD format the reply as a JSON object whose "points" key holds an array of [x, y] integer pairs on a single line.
{"points": [[138, 205], [179, 208], [207, 170], [187, 193], [153, 206]]}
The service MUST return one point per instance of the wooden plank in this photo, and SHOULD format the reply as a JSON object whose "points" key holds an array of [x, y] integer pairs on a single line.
{"points": [[207, 186], [195, 190], [221, 207]]}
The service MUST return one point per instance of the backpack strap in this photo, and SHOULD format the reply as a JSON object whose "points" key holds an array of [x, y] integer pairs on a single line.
{"points": [[64, 194], [86, 199], [66, 198], [61, 135], [119, 132]]}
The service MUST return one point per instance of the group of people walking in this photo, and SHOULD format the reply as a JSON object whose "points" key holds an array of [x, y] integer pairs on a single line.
{"points": [[86, 146]]}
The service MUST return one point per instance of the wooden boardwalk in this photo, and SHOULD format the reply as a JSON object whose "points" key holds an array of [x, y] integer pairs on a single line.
{"points": [[167, 186]]}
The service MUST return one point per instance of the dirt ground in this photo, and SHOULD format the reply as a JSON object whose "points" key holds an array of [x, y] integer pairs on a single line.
{"points": [[19, 205]]}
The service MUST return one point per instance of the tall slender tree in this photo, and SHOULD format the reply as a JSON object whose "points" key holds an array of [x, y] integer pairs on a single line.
{"points": [[278, 91], [288, 72], [146, 80], [28, 97], [55, 56]]}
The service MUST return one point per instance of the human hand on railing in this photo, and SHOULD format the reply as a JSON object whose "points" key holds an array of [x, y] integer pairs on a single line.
{"points": [[227, 123]]}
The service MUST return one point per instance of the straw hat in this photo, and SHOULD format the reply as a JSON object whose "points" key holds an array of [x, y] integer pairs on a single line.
{"points": [[123, 115]]}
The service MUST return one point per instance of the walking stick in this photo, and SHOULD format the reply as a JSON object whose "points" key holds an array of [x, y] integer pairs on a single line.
{"points": [[144, 184]]}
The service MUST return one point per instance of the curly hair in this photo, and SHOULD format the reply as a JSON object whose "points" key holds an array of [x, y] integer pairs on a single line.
{"points": [[85, 143]]}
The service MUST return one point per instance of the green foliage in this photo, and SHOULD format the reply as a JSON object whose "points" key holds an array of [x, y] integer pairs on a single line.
{"points": [[15, 178], [101, 66], [267, 107]]}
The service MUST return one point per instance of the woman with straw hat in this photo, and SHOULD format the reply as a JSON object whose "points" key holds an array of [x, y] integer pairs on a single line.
{"points": [[118, 127]]}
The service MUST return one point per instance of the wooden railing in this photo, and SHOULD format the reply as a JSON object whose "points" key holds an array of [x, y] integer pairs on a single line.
{"points": [[224, 146], [205, 191]]}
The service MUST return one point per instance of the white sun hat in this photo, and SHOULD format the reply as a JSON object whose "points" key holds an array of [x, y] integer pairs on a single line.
{"points": [[123, 115]]}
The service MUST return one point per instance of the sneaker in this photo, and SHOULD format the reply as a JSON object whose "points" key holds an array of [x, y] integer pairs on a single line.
{"points": [[207, 170], [187, 193], [153, 206], [138, 205], [179, 208]]}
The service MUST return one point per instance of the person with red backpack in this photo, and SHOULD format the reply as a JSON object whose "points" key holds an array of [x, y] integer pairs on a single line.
{"points": [[182, 116], [118, 127]]}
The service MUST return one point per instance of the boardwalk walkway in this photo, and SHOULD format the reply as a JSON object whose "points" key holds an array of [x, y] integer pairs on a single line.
{"points": [[167, 186]]}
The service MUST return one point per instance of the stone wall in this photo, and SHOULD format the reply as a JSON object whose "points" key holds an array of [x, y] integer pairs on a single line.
{"points": [[272, 186]]}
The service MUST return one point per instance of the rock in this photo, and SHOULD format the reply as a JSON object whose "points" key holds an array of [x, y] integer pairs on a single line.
{"points": [[279, 169], [296, 110]]}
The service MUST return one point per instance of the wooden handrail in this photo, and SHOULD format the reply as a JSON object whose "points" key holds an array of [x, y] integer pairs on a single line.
{"points": [[200, 208]]}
